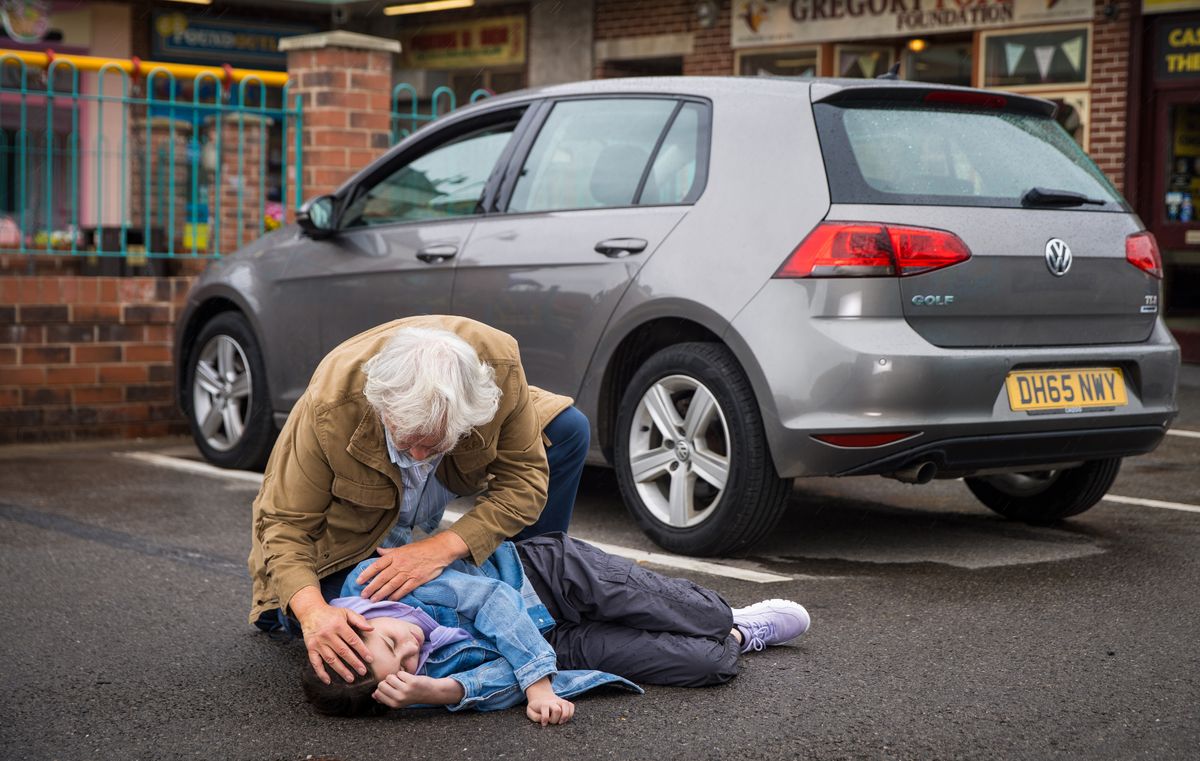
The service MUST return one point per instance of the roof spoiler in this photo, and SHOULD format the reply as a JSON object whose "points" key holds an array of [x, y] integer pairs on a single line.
{"points": [[933, 96]]}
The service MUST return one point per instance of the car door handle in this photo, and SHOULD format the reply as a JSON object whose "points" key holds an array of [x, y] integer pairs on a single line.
{"points": [[436, 254], [615, 248]]}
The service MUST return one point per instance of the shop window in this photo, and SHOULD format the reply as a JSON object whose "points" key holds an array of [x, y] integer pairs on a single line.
{"points": [[793, 62], [465, 83], [591, 154], [945, 62], [1036, 58], [863, 61], [1183, 163], [671, 66]]}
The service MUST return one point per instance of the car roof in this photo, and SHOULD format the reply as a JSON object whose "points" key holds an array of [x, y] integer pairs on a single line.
{"points": [[820, 88]]}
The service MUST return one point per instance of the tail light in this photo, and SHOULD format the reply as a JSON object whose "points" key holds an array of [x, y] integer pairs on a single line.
{"points": [[1141, 250], [866, 249], [967, 98]]}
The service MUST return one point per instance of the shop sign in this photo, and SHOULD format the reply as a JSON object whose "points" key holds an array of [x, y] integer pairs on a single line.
{"points": [[1167, 6], [194, 39], [487, 42], [783, 22], [1177, 55]]}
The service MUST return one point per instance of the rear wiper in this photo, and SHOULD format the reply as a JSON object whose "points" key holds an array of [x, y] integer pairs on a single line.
{"points": [[1053, 197]]}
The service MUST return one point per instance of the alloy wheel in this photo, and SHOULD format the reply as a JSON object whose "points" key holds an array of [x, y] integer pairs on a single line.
{"points": [[679, 452], [221, 395]]}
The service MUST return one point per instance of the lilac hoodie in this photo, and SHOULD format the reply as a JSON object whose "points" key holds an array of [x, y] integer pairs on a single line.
{"points": [[436, 635]]}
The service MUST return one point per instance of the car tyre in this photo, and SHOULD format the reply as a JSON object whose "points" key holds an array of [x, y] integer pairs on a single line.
{"points": [[225, 395], [691, 456], [1043, 497]]}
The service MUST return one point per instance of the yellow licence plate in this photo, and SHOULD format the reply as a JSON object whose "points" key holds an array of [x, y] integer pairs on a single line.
{"points": [[1076, 388]]}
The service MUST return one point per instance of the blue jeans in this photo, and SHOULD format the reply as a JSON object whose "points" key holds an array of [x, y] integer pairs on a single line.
{"points": [[569, 435]]}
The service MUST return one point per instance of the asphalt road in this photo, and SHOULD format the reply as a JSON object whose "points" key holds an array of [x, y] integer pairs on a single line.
{"points": [[939, 630]]}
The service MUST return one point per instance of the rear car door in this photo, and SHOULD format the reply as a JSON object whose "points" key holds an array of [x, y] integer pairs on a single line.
{"points": [[400, 231], [595, 188]]}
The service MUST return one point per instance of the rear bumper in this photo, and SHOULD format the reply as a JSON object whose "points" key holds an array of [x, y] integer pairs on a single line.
{"points": [[846, 363], [965, 455]]}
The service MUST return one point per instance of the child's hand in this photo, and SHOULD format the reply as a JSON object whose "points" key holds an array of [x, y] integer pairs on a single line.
{"points": [[545, 707], [402, 690]]}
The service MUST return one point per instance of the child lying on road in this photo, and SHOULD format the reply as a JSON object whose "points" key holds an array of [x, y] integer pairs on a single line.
{"points": [[541, 621]]}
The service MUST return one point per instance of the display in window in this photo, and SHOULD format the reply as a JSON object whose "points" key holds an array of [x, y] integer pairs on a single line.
{"points": [[1183, 177], [783, 63], [862, 61], [946, 62], [1031, 59]]}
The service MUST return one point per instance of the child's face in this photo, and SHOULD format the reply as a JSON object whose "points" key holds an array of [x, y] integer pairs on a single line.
{"points": [[395, 644]]}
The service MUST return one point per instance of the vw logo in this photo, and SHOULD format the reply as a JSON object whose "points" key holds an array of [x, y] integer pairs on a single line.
{"points": [[682, 451], [1058, 257]]}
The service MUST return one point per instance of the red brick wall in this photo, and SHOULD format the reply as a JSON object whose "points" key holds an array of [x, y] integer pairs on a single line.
{"points": [[88, 357], [1110, 89], [711, 54]]}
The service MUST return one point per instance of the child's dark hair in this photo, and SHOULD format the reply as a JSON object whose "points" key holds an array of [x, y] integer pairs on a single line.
{"points": [[339, 697]]}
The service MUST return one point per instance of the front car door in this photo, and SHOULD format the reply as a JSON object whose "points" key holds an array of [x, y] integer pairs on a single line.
{"points": [[400, 232], [602, 181]]}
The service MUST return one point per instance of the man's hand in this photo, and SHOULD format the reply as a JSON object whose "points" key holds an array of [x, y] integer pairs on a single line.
{"points": [[330, 636], [400, 570], [544, 706], [403, 689]]}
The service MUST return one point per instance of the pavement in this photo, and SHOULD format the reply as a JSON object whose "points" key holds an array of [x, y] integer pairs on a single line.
{"points": [[940, 631]]}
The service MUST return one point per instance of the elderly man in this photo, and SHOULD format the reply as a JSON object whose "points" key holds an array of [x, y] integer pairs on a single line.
{"points": [[396, 422]]}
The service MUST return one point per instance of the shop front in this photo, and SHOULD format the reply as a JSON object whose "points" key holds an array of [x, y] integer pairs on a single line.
{"points": [[1167, 154], [1030, 46], [464, 56]]}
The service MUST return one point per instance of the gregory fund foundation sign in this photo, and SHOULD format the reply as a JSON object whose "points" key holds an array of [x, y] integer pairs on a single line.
{"points": [[782, 22]]}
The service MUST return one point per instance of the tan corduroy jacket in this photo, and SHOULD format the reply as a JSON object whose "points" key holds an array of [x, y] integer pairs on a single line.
{"points": [[330, 493]]}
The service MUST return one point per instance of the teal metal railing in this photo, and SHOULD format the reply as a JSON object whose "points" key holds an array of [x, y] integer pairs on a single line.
{"points": [[104, 163], [407, 116]]}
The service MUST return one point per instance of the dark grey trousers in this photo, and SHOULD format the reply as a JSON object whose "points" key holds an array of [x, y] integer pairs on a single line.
{"points": [[613, 615]]}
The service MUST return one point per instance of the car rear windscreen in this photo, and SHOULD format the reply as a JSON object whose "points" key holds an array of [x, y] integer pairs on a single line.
{"points": [[889, 153]]}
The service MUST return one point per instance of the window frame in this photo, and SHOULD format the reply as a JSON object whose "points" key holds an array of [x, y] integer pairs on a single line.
{"points": [[1050, 87], [524, 145], [423, 142]]}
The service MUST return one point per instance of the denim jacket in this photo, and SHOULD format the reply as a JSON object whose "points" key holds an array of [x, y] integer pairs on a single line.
{"points": [[506, 651]]}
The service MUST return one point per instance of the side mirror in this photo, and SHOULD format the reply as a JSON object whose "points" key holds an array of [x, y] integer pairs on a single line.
{"points": [[316, 218]]}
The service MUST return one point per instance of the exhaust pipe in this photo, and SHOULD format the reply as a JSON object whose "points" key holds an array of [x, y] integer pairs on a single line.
{"points": [[920, 473]]}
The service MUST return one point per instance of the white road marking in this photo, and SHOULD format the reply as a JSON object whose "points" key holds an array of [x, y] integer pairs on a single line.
{"points": [[1152, 503], [1186, 434], [192, 466], [641, 556]]}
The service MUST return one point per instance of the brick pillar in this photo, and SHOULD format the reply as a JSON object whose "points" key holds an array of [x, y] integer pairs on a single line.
{"points": [[240, 179], [344, 81]]}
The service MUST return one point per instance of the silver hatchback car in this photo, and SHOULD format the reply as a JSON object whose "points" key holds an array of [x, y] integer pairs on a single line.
{"points": [[742, 282]]}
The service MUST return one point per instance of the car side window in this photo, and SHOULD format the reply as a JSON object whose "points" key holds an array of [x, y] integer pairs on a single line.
{"points": [[673, 173], [591, 154], [447, 181]]}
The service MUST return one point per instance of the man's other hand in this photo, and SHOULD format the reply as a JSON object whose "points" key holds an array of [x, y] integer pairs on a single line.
{"points": [[400, 570], [331, 638]]}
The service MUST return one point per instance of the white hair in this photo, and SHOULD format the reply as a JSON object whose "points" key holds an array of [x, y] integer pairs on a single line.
{"points": [[429, 382]]}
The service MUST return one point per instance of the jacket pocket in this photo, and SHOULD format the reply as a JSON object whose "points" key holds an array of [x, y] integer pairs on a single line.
{"points": [[378, 496], [358, 509]]}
